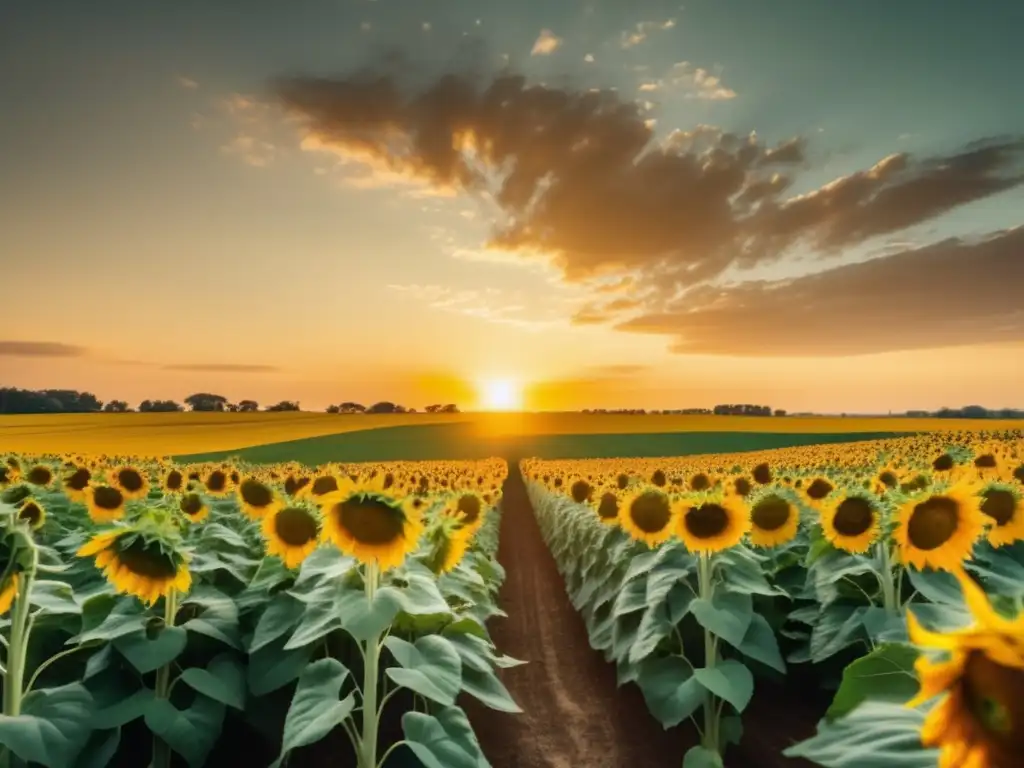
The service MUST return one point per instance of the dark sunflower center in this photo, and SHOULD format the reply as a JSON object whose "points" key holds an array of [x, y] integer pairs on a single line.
{"points": [[985, 461], [853, 517], [79, 479], [469, 506], [700, 482], [106, 497], [389, 480], [608, 507], [770, 513], [580, 491], [370, 520], [992, 694], [130, 480], [658, 478], [558, 482], [918, 483], [819, 489], [192, 504], [32, 513], [650, 511], [743, 486], [174, 480], [217, 480], [706, 521], [147, 559], [39, 476], [999, 504], [943, 464], [623, 480], [323, 485], [933, 522], [5, 476], [295, 526], [255, 494], [762, 473], [1018, 474], [888, 479]]}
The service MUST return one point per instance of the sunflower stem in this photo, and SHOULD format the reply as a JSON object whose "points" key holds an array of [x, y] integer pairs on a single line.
{"points": [[706, 588], [161, 749], [368, 742], [21, 630], [890, 599]]}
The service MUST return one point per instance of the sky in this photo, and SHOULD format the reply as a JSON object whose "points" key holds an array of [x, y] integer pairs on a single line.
{"points": [[812, 205]]}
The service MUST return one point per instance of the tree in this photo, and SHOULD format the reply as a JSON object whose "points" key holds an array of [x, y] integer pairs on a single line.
{"points": [[349, 407], [450, 408], [247, 406], [116, 406], [204, 401], [780, 412], [382, 407], [159, 406], [13, 400], [284, 405], [432, 408], [333, 409]]}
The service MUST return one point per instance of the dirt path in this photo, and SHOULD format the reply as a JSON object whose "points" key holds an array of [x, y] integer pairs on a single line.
{"points": [[574, 713]]}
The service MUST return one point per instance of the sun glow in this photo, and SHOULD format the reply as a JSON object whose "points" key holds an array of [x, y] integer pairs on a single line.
{"points": [[500, 395]]}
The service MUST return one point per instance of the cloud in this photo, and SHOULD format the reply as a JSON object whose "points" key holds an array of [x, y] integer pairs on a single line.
{"points": [[946, 294], [253, 151], [692, 82], [547, 42], [493, 305], [633, 37], [187, 83], [221, 367], [40, 349]]}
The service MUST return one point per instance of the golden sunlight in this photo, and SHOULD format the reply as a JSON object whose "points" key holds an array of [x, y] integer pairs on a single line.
{"points": [[500, 395]]}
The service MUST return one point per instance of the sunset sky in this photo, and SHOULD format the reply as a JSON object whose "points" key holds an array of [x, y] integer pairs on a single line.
{"points": [[813, 205]]}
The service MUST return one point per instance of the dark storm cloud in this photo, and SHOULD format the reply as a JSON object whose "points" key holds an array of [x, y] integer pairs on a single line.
{"points": [[40, 349], [947, 294]]}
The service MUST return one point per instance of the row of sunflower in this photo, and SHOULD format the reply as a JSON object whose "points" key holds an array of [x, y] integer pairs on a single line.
{"points": [[842, 564], [139, 595]]}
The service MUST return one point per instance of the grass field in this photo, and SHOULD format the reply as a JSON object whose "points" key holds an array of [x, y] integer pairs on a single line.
{"points": [[317, 437]]}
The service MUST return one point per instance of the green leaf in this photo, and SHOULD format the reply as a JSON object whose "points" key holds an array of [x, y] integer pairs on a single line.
{"points": [[54, 597], [315, 710], [632, 597], [670, 689], [728, 679], [326, 564], [319, 620], [192, 732], [438, 746], [363, 619], [702, 757], [123, 711], [105, 617], [148, 655], [223, 680], [282, 614], [99, 749], [885, 674], [272, 667], [936, 586], [760, 644], [54, 725], [874, 735], [487, 688], [727, 615], [837, 627], [431, 667]]}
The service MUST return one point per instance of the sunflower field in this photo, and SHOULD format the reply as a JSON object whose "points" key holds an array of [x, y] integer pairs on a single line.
{"points": [[152, 612], [887, 577]]}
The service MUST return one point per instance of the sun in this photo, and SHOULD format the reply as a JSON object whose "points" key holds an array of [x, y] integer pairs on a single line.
{"points": [[500, 395]]}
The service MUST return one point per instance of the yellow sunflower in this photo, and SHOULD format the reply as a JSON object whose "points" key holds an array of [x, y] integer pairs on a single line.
{"points": [[40, 475], [105, 503], [8, 475], [8, 591], [319, 486], [818, 489], [606, 504], [774, 520], [851, 521], [709, 524], [580, 490], [370, 526], [174, 481], [131, 481], [291, 533], [256, 498], [937, 529], [468, 507], [217, 482], [1003, 507], [193, 507], [76, 482], [136, 565], [32, 512], [449, 544], [647, 515], [293, 484], [979, 723]]}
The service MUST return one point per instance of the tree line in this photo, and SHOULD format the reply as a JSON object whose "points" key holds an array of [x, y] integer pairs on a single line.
{"points": [[718, 410]]}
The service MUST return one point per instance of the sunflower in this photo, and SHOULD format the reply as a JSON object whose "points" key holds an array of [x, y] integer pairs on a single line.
{"points": [[1003, 507], [468, 507], [174, 481], [217, 482], [105, 503], [291, 533], [193, 507], [762, 473], [76, 482], [818, 489], [938, 529], [138, 565], [370, 526], [773, 520], [8, 475], [647, 515], [132, 482], [708, 524], [449, 544], [888, 478], [293, 484], [40, 475], [740, 485], [256, 498], [32, 512], [580, 490], [979, 723], [606, 504], [320, 486], [851, 521], [8, 592]]}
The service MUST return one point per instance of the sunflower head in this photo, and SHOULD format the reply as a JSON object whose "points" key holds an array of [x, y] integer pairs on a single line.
{"points": [[467, 507], [256, 497], [131, 481], [40, 474], [818, 489], [371, 527], [1002, 504], [448, 545], [291, 532], [851, 520], [938, 528], [31, 512], [193, 507], [217, 482], [75, 483], [774, 519], [139, 562], [105, 503], [580, 491], [762, 473], [606, 504], [175, 481], [711, 523]]}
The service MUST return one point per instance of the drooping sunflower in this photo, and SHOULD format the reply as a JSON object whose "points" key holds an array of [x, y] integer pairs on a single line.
{"points": [[131, 481], [937, 529], [136, 564], [174, 481], [709, 524], [370, 526], [291, 533], [1003, 506], [448, 545], [851, 521], [8, 591], [774, 520], [647, 515], [256, 498], [40, 475], [76, 482], [193, 507], [979, 722], [105, 503], [32, 512], [217, 482], [468, 507]]}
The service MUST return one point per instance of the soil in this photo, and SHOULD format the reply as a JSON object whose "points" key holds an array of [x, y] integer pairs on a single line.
{"points": [[574, 714]]}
